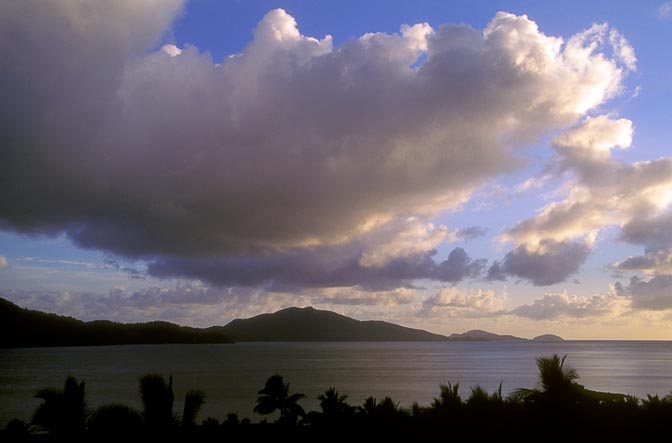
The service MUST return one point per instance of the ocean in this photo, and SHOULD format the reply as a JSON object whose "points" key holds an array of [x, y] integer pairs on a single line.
{"points": [[231, 374]]}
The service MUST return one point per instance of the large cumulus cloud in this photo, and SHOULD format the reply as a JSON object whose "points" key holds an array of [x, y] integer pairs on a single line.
{"points": [[292, 152]]}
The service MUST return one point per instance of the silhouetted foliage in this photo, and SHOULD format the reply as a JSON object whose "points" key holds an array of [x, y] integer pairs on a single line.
{"points": [[449, 399], [18, 431], [559, 408], [157, 400], [193, 401], [62, 412], [275, 397], [115, 421], [334, 404]]}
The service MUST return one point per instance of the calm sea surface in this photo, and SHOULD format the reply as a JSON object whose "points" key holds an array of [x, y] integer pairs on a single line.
{"points": [[231, 375]]}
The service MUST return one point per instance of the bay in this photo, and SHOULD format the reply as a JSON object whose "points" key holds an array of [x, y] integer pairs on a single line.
{"points": [[232, 374]]}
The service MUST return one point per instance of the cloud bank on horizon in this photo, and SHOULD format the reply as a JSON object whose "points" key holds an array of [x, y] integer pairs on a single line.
{"points": [[296, 164]]}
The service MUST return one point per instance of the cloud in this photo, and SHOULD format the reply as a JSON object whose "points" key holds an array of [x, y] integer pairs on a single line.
{"points": [[319, 268], [600, 192], [655, 235], [471, 233], [552, 263], [459, 303], [652, 262], [357, 297], [3, 262], [595, 137], [185, 303], [653, 294], [553, 306], [665, 10], [291, 150], [195, 303]]}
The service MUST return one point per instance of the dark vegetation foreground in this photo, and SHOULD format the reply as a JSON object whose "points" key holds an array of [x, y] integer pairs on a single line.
{"points": [[559, 408]]}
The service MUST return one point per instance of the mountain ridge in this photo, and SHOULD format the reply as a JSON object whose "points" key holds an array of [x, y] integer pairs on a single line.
{"points": [[320, 325], [21, 327]]}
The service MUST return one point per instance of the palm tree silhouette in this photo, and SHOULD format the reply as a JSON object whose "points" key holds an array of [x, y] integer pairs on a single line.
{"points": [[333, 404], [558, 388], [62, 412], [554, 376], [275, 397], [449, 399], [157, 401], [193, 401]]}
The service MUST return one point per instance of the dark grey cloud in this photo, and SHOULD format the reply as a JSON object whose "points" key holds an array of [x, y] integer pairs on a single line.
{"points": [[652, 294], [471, 232], [232, 169], [318, 268], [655, 235], [554, 263]]}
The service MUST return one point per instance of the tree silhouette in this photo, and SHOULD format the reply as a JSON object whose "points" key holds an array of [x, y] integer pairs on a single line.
{"points": [[554, 377], [449, 399], [157, 401], [275, 397], [193, 401], [333, 404], [62, 412]]}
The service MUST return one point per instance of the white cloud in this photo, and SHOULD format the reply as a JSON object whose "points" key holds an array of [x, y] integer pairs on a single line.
{"points": [[356, 297], [416, 237], [460, 303], [600, 192], [291, 146], [665, 10], [595, 137], [171, 50]]}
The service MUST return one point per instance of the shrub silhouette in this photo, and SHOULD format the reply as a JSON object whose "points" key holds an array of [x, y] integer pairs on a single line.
{"points": [[114, 421], [18, 431], [62, 412]]}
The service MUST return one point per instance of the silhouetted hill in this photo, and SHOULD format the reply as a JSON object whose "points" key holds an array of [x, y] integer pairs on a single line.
{"points": [[548, 338], [478, 335], [21, 327], [308, 324]]}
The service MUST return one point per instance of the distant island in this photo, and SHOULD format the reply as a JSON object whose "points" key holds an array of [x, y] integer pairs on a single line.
{"points": [[309, 324], [548, 338], [478, 335], [21, 327]]}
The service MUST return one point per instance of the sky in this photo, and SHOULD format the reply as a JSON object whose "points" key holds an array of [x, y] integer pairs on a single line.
{"points": [[449, 166]]}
